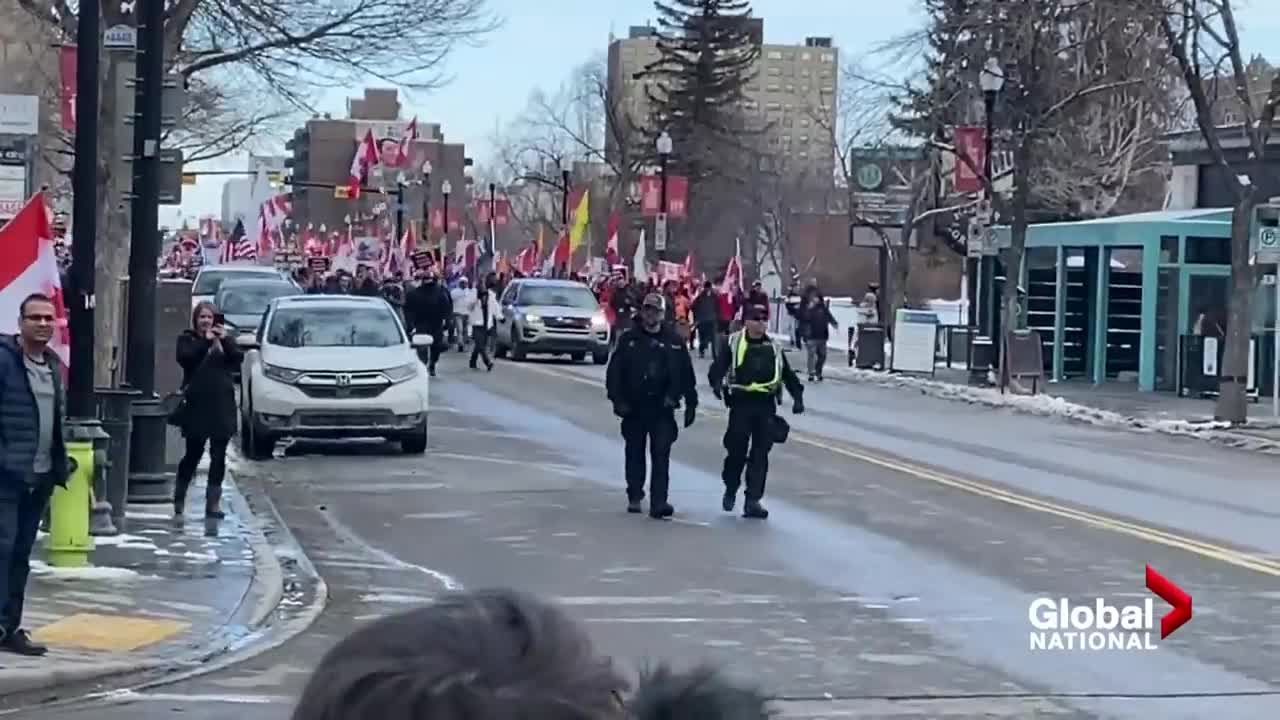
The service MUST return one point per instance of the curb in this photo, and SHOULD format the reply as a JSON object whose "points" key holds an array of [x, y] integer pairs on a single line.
{"points": [[938, 389], [267, 585]]}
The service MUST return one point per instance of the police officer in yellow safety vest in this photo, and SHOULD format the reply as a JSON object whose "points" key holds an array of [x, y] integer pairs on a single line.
{"points": [[749, 374]]}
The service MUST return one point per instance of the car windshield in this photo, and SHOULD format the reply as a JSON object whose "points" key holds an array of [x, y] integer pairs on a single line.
{"points": [[251, 299], [297, 327], [210, 281], [558, 295]]}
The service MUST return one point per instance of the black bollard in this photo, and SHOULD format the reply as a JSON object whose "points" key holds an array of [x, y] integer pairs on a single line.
{"points": [[149, 479], [115, 410]]}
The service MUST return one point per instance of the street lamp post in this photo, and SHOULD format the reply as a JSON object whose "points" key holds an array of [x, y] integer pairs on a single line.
{"points": [[426, 201], [660, 225], [445, 189], [991, 80], [401, 181]]}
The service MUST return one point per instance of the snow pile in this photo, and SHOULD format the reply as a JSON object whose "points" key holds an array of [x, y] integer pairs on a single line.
{"points": [[45, 571], [1054, 406]]}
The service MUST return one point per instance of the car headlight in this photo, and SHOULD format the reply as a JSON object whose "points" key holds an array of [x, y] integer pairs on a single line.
{"points": [[599, 322], [533, 319], [280, 374], [403, 372]]}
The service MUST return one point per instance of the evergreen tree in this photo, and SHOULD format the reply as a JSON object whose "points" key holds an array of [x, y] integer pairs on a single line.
{"points": [[707, 55]]}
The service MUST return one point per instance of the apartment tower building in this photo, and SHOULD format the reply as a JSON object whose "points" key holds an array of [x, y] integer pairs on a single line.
{"points": [[794, 90]]}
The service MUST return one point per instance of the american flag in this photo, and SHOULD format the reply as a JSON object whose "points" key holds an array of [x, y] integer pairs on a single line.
{"points": [[237, 246]]}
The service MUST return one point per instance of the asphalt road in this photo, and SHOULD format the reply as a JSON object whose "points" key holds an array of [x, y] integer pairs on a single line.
{"points": [[908, 537]]}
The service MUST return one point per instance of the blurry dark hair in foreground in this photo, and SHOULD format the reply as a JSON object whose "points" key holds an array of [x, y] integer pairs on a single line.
{"points": [[485, 655], [702, 693]]}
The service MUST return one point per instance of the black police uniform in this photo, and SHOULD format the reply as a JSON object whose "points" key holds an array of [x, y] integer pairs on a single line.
{"points": [[648, 375], [749, 374]]}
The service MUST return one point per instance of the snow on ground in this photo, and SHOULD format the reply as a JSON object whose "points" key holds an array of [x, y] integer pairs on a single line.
{"points": [[43, 570], [1053, 406]]}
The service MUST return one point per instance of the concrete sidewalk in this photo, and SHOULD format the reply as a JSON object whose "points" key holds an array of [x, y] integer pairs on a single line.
{"points": [[163, 595]]}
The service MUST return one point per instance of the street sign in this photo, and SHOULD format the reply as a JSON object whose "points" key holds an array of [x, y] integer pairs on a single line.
{"points": [[1268, 245], [171, 177], [120, 37], [660, 232]]}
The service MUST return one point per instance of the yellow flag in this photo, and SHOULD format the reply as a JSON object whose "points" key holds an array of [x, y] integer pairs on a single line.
{"points": [[581, 218]]}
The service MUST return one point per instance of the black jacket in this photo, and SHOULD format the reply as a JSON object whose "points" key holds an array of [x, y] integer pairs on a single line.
{"points": [[706, 308], [210, 393], [428, 307], [815, 321], [19, 427], [757, 366], [651, 370]]}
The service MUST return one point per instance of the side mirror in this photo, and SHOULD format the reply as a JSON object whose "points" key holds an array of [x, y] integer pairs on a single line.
{"points": [[248, 341], [422, 340]]}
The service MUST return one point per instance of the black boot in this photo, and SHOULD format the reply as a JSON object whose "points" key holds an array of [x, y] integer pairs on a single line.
{"points": [[659, 511], [635, 507], [753, 509], [730, 497], [213, 504]]}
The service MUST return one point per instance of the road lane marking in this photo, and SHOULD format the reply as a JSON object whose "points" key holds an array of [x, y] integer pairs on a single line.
{"points": [[124, 697], [350, 536], [1230, 556]]}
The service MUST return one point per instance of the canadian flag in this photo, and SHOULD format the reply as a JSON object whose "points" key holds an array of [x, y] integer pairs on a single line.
{"points": [[28, 265], [611, 254], [365, 158], [406, 142], [733, 271]]}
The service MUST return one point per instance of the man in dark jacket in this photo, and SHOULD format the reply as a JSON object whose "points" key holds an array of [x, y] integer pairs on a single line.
{"points": [[749, 373], [705, 310], [33, 456], [816, 321], [648, 374], [429, 310]]}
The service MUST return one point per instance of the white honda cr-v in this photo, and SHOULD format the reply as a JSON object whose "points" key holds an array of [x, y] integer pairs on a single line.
{"points": [[332, 366]]}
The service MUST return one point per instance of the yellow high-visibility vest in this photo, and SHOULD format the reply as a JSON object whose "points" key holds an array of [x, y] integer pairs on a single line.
{"points": [[738, 344]]}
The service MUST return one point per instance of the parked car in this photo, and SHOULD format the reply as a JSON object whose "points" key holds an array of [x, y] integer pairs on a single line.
{"points": [[244, 301], [211, 277], [332, 366], [555, 317]]}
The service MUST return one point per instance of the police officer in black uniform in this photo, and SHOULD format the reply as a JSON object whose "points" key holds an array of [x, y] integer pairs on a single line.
{"points": [[748, 373], [649, 373]]}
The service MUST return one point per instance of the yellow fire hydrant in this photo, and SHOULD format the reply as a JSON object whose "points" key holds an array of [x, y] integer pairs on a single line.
{"points": [[69, 540]]}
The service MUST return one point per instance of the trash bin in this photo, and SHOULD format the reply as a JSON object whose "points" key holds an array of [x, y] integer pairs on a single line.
{"points": [[149, 479], [982, 359], [869, 351], [115, 411]]}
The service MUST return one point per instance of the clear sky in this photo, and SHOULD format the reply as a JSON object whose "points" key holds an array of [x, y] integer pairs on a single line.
{"points": [[537, 48]]}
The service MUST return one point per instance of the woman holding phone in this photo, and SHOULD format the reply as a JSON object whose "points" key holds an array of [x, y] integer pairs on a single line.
{"points": [[208, 415]]}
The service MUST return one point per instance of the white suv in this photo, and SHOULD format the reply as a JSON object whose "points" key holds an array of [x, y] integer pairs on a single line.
{"points": [[332, 366]]}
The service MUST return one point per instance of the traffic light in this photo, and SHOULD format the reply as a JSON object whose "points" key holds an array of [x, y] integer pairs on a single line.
{"points": [[300, 160], [343, 192]]}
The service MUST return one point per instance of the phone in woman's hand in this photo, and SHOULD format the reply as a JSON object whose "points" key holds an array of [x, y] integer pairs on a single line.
{"points": [[219, 319]]}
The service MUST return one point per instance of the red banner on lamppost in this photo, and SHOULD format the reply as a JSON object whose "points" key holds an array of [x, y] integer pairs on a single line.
{"points": [[677, 195], [69, 84], [501, 208], [971, 156]]}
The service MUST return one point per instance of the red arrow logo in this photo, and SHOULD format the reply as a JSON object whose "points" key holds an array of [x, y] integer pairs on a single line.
{"points": [[1175, 596]]}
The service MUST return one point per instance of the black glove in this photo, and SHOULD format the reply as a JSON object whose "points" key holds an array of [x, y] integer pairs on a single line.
{"points": [[670, 403], [690, 412], [621, 409], [797, 408]]}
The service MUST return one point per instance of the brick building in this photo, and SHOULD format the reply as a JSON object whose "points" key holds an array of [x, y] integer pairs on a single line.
{"points": [[321, 152]]}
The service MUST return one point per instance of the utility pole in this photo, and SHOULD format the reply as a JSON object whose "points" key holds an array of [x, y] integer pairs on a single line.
{"points": [[149, 480], [84, 183], [140, 370]]}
